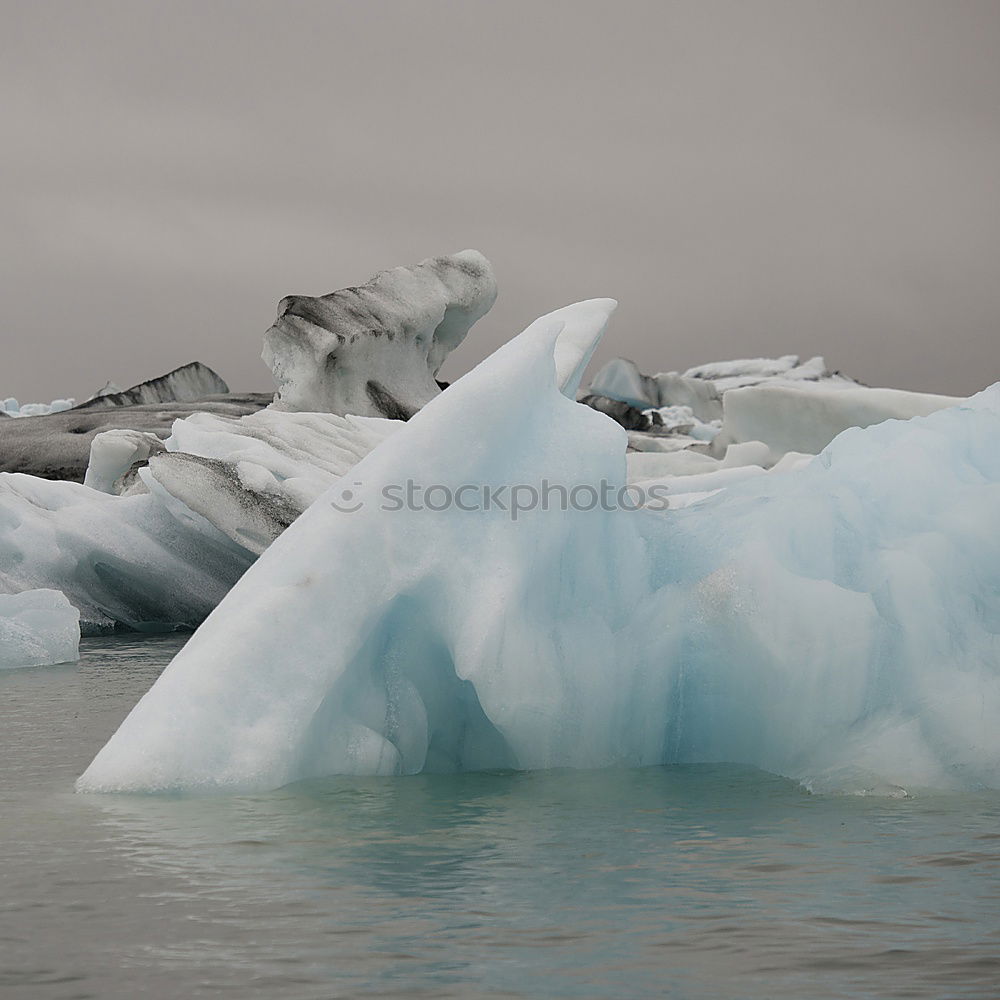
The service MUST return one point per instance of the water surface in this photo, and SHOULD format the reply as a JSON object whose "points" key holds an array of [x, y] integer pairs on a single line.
{"points": [[689, 882]]}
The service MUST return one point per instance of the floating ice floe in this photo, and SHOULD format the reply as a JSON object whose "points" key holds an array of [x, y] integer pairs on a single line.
{"points": [[789, 418], [58, 446], [156, 547], [125, 562], [11, 408], [789, 406], [701, 388], [836, 619], [38, 628]]}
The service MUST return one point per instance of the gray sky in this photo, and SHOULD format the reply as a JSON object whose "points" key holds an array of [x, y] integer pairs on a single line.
{"points": [[746, 178]]}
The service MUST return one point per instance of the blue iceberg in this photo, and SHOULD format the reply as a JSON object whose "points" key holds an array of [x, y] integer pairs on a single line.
{"points": [[837, 623]]}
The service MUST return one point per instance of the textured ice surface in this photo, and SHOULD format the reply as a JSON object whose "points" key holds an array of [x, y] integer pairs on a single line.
{"points": [[157, 548], [185, 384], [791, 405], [792, 418], [374, 350], [621, 379], [837, 622], [11, 408], [57, 446], [38, 627], [252, 477], [701, 388], [726, 375], [142, 562], [114, 453], [110, 388]]}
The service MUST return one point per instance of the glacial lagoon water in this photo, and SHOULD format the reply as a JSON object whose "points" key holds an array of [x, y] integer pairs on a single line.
{"points": [[689, 882]]}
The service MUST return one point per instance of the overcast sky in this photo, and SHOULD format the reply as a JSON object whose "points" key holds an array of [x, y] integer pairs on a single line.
{"points": [[746, 178]]}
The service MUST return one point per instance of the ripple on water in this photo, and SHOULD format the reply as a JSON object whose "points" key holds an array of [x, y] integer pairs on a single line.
{"points": [[694, 882]]}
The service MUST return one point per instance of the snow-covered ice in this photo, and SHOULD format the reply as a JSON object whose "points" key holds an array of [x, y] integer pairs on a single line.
{"points": [[37, 628], [836, 619]]}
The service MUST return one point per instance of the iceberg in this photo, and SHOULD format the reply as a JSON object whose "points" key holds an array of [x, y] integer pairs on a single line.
{"points": [[188, 383], [162, 529], [57, 445], [621, 379], [141, 562], [38, 628], [628, 416], [251, 477], [788, 369], [115, 459], [185, 384], [835, 620], [703, 387], [180, 494], [10, 407], [790, 418], [375, 350], [788, 404]]}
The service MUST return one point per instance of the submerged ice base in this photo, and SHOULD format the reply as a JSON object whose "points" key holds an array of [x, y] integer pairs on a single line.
{"points": [[838, 623]]}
